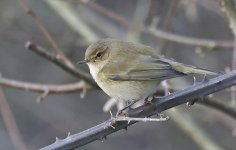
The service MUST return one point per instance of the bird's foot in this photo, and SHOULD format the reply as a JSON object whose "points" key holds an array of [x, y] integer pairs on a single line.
{"points": [[163, 117], [122, 112]]}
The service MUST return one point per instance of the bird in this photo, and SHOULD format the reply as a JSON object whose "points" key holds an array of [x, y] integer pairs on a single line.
{"points": [[130, 71]]}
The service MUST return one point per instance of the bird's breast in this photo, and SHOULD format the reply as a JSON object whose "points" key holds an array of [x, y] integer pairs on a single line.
{"points": [[126, 90]]}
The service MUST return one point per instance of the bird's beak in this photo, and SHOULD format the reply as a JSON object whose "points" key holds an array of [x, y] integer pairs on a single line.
{"points": [[82, 61]]}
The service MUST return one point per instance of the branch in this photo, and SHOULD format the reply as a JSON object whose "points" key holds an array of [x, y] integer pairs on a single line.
{"points": [[159, 33], [10, 123], [45, 32], [41, 88], [53, 58], [100, 131], [82, 87]]}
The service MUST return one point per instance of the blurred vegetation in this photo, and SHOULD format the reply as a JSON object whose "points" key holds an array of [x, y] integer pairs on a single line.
{"points": [[73, 25]]}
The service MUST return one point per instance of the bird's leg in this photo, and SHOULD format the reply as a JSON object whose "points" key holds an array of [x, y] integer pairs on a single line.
{"points": [[121, 112], [163, 116]]}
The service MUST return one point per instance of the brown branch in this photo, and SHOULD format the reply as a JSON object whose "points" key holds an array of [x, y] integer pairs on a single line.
{"points": [[54, 59], [159, 33], [45, 32], [42, 88], [80, 87], [10, 123]]}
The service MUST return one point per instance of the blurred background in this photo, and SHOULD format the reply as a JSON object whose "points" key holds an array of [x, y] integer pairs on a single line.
{"points": [[74, 24]]}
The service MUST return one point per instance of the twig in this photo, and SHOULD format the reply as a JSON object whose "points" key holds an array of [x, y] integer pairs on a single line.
{"points": [[145, 119], [53, 58], [45, 32], [158, 105], [10, 123], [159, 33], [80, 86], [42, 88]]}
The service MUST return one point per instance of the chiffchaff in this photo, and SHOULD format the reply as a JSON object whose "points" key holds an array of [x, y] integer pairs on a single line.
{"points": [[129, 71]]}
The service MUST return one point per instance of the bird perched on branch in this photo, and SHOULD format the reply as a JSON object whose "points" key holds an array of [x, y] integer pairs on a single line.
{"points": [[130, 71]]}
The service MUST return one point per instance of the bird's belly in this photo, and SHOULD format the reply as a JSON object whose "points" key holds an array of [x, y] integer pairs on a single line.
{"points": [[128, 90]]}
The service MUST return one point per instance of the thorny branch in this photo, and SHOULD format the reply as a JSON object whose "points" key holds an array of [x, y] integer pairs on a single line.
{"points": [[159, 33], [158, 105]]}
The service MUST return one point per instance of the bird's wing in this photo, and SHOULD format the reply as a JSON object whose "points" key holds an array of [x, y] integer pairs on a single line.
{"points": [[147, 68]]}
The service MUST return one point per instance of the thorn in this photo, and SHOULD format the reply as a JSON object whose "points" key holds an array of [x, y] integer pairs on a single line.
{"points": [[205, 78], [68, 134], [128, 121], [111, 115], [105, 137], [111, 125], [194, 80], [85, 87], [102, 140], [190, 103], [57, 139], [41, 97]]}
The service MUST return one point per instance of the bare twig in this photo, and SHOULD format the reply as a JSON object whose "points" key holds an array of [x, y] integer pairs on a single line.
{"points": [[10, 123], [30, 12], [159, 33], [53, 58], [42, 88], [158, 105], [81, 86]]}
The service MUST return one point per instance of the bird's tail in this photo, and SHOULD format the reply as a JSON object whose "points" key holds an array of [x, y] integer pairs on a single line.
{"points": [[188, 69]]}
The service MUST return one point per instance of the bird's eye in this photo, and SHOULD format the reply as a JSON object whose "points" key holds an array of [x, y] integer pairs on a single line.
{"points": [[99, 54]]}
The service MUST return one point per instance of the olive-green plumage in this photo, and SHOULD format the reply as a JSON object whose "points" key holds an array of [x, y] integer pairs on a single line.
{"points": [[130, 71]]}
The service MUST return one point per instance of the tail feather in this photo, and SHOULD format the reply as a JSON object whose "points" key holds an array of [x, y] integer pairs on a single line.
{"points": [[188, 69]]}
